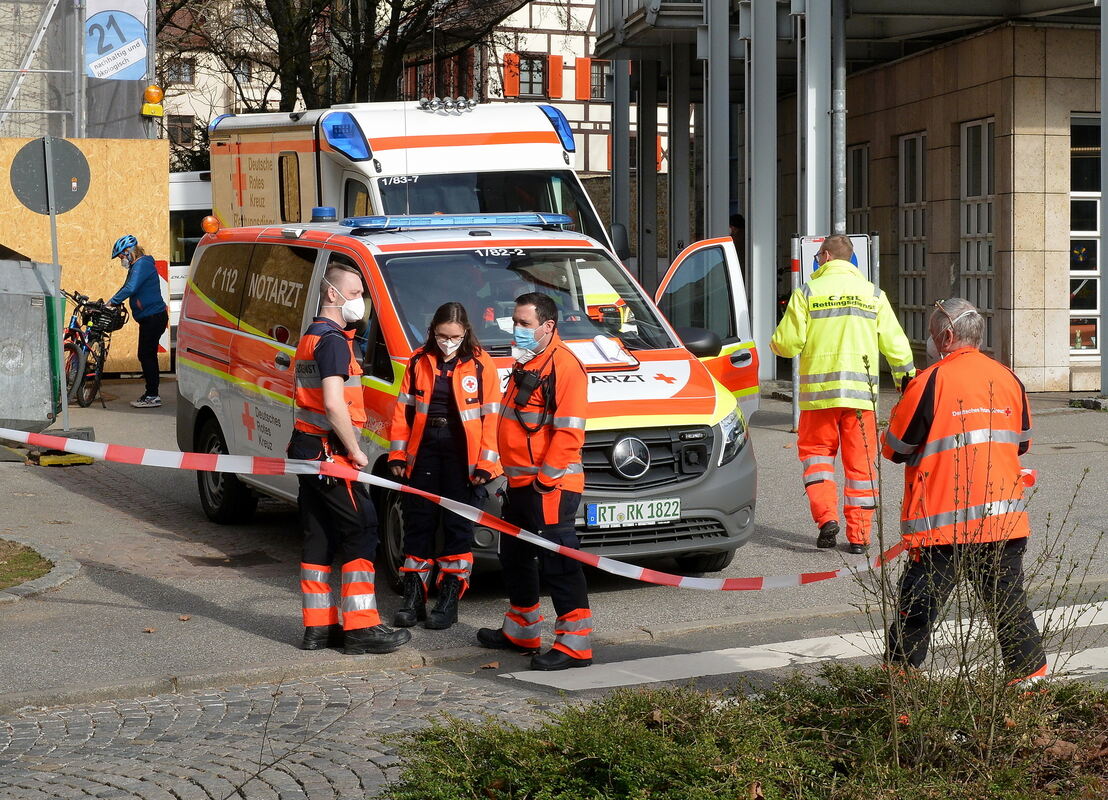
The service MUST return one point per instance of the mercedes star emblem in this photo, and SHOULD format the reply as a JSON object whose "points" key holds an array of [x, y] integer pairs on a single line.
{"points": [[630, 457]]}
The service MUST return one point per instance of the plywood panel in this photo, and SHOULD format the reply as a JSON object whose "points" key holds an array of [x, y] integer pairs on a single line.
{"points": [[128, 193]]}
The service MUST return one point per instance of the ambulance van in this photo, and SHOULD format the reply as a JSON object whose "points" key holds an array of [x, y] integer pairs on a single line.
{"points": [[427, 157], [669, 466]]}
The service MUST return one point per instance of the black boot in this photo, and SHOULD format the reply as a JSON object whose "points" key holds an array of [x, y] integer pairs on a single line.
{"points": [[494, 639], [378, 639], [554, 659], [320, 637], [445, 612], [414, 608], [827, 533]]}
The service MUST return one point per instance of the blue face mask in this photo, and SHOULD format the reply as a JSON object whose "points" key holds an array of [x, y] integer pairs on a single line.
{"points": [[525, 338]]}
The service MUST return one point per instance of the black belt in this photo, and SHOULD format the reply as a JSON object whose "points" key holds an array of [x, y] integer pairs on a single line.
{"points": [[438, 422]]}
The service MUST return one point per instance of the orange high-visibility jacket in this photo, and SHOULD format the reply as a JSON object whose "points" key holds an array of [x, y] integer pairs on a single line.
{"points": [[476, 390], [310, 415], [960, 428], [541, 439]]}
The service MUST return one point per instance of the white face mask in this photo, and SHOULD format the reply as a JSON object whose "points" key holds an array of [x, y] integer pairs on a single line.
{"points": [[448, 346], [353, 309], [933, 353], [521, 355]]}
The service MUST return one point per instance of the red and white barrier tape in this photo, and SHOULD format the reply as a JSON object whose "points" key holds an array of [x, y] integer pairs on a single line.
{"points": [[261, 465]]}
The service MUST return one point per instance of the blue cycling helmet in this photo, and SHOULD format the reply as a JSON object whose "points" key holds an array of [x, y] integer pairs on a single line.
{"points": [[123, 243]]}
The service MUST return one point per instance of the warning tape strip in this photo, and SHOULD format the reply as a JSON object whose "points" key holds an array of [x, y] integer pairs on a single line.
{"points": [[263, 465]]}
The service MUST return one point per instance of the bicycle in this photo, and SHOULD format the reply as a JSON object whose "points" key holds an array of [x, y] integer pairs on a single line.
{"points": [[86, 343]]}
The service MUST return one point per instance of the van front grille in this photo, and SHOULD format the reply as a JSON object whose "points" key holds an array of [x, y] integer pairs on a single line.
{"points": [[683, 530]]}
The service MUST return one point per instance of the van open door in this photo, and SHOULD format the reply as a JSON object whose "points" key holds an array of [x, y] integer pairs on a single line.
{"points": [[704, 289]]}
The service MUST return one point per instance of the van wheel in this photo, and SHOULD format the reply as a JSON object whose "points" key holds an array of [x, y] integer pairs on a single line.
{"points": [[225, 498], [705, 562], [390, 550]]}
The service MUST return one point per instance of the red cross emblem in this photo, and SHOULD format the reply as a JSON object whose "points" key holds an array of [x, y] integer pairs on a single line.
{"points": [[248, 421], [664, 378]]}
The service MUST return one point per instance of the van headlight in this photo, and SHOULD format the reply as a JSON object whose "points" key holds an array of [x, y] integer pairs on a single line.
{"points": [[733, 433]]}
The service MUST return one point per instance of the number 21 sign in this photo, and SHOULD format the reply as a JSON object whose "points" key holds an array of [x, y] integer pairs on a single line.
{"points": [[116, 39]]}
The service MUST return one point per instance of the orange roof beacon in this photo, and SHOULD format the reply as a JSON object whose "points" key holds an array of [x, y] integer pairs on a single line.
{"points": [[669, 469]]}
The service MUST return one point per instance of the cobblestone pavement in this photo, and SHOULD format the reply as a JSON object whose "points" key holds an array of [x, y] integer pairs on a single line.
{"points": [[326, 738]]}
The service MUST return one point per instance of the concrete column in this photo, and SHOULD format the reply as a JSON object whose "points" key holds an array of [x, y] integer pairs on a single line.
{"points": [[761, 221], [717, 177], [838, 117], [646, 172], [816, 102], [679, 148]]}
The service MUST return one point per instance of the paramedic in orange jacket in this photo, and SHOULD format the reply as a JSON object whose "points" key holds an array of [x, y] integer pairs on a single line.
{"points": [[337, 515], [960, 430], [443, 440], [542, 429]]}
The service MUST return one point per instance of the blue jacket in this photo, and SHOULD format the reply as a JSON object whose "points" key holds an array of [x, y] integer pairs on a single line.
{"points": [[144, 288]]}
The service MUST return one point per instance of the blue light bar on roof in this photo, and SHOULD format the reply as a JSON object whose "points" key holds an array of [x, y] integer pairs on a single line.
{"points": [[343, 133], [212, 125], [455, 220], [561, 125]]}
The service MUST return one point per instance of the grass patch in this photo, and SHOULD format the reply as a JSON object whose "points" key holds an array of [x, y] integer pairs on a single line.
{"points": [[834, 736], [19, 564]]}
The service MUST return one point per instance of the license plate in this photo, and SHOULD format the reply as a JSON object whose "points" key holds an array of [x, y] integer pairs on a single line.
{"points": [[631, 513]]}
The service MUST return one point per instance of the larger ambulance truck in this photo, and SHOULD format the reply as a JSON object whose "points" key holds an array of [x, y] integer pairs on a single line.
{"points": [[423, 157]]}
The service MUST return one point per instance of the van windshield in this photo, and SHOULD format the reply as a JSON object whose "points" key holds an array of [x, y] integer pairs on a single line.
{"points": [[549, 191], [595, 297]]}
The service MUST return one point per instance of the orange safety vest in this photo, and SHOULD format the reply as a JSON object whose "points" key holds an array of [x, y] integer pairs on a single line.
{"points": [[310, 415], [542, 438], [476, 390], [960, 428]]}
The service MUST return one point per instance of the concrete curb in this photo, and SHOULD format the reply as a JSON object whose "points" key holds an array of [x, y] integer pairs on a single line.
{"points": [[65, 567]]}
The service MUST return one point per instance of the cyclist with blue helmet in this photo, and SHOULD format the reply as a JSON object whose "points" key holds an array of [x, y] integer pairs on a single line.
{"points": [[143, 289]]}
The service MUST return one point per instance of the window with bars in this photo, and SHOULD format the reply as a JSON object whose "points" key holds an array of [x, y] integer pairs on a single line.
{"points": [[180, 70], [912, 243], [532, 75], [180, 129], [976, 237], [1085, 199], [857, 189], [243, 70], [599, 71]]}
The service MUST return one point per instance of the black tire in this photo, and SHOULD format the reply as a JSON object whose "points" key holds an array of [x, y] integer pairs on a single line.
{"points": [[390, 549], [705, 562], [225, 498], [93, 371], [74, 368]]}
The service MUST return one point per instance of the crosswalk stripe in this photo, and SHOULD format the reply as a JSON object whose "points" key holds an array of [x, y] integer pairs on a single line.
{"points": [[776, 655]]}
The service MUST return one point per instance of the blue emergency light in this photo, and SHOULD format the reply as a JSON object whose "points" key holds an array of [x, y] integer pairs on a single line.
{"points": [[455, 221], [561, 125], [343, 133]]}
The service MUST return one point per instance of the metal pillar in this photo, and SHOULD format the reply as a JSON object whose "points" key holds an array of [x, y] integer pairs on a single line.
{"points": [[815, 120], [679, 148], [621, 145], [717, 168], [838, 117], [1103, 206], [761, 221], [646, 172]]}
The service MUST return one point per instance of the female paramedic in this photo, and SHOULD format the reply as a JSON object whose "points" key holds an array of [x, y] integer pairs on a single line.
{"points": [[143, 287], [443, 439]]}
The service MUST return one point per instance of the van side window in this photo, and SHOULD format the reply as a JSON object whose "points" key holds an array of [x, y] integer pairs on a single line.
{"points": [[699, 294], [356, 203], [369, 342], [277, 290], [288, 173], [218, 283]]}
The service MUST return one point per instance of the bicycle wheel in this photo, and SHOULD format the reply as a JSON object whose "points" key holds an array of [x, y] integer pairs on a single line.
{"points": [[94, 369], [74, 368]]}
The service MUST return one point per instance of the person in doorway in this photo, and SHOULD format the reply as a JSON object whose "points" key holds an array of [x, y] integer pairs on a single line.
{"points": [[541, 431], [337, 516], [143, 288], [837, 322], [960, 430], [443, 440]]}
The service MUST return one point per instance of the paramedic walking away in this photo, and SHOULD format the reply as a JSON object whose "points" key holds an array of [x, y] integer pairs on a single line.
{"points": [[337, 515], [443, 440], [144, 289], [837, 322], [541, 431], [960, 430]]}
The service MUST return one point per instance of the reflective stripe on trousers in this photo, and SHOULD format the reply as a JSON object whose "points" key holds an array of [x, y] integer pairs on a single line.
{"points": [[420, 567], [571, 633], [523, 626], [460, 566], [315, 589], [359, 600]]}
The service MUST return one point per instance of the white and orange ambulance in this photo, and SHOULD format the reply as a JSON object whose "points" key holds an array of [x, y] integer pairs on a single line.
{"points": [[669, 469], [449, 157]]}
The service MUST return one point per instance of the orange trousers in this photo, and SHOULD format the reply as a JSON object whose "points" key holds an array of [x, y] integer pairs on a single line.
{"points": [[823, 433]]}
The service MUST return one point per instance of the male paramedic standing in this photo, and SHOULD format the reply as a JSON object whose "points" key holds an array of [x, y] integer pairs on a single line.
{"points": [[960, 430], [542, 428], [337, 515], [837, 322]]}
